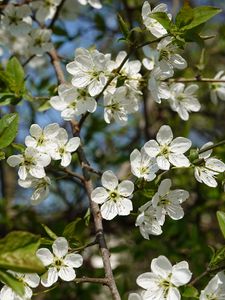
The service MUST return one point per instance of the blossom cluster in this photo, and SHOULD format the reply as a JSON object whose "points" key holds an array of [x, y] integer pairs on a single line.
{"points": [[42, 146], [59, 264]]}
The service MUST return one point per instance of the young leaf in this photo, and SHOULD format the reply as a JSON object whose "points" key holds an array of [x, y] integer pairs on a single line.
{"points": [[201, 14], [18, 252], [49, 232], [184, 16], [221, 219], [16, 285], [162, 18], [15, 70], [123, 26], [190, 292], [8, 129]]}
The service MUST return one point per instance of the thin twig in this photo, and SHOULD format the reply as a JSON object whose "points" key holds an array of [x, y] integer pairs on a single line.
{"points": [[196, 79], [212, 147], [103, 281]]}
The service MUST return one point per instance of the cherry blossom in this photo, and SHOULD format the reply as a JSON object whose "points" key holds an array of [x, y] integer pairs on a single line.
{"points": [[95, 3], [39, 41], [42, 139], [143, 165], [90, 69], [29, 281], [17, 20], [30, 162], [215, 289], [151, 24], [183, 100], [134, 296], [64, 147], [45, 9], [208, 167], [217, 89], [168, 151], [113, 196], [72, 101], [147, 221], [60, 263], [163, 282], [40, 187], [167, 201]]}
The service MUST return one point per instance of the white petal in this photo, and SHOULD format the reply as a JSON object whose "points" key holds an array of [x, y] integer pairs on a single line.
{"points": [[152, 148], [32, 280], [180, 145], [99, 195], [126, 188], [181, 274], [109, 210], [37, 172], [67, 273], [124, 207], [66, 159], [45, 256], [163, 163], [60, 247], [146, 280], [35, 131], [164, 135], [173, 294], [215, 164], [50, 277], [14, 160], [179, 160], [73, 144], [73, 260], [164, 187], [161, 266], [109, 180]]}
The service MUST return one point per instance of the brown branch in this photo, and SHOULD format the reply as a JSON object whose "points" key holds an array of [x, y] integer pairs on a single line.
{"points": [[196, 79], [110, 282], [103, 281]]}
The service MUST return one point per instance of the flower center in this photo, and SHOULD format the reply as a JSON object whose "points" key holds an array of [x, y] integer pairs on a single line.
{"points": [[114, 196], [165, 150]]}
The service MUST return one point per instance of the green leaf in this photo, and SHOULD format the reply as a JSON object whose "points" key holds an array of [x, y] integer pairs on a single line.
{"points": [[15, 70], [200, 15], [218, 259], [190, 292], [8, 129], [74, 230], [162, 18], [18, 252], [12, 282], [2, 155], [49, 232], [123, 26], [221, 219], [184, 16]]}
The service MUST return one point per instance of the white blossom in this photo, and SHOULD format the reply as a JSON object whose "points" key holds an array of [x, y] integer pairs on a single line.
{"points": [[118, 105], [168, 54], [60, 263], [129, 73], [42, 139], [72, 101], [142, 165], [39, 41], [45, 9], [151, 58], [29, 281], [163, 282], [90, 69], [64, 147], [215, 289], [40, 187], [95, 3], [168, 202], [151, 24], [168, 151], [183, 99], [208, 167], [17, 20], [159, 89], [30, 162], [217, 89], [113, 196], [147, 221]]}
